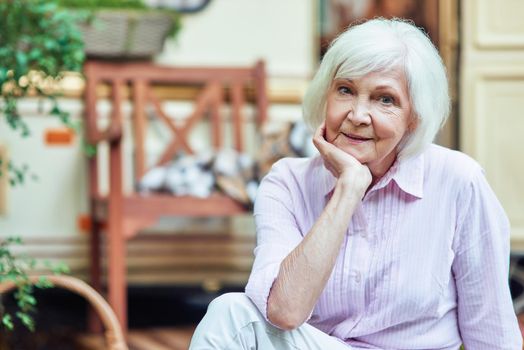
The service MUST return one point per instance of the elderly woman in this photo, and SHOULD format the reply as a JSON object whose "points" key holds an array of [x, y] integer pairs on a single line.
{"points": [[385, 240]]}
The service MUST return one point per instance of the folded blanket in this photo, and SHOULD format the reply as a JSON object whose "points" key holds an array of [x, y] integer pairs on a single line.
{"points": [[235, 174]]}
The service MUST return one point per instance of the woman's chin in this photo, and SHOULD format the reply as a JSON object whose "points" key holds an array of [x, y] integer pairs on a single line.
{"points": [[357, 155], [352, 151]]}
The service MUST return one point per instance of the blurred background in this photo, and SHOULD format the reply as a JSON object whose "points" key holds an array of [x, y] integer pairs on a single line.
{"points": [[56, 184]]}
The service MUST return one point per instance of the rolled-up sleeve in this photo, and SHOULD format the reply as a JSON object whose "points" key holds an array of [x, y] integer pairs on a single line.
{"points": [[486, 317], [277, 232]]}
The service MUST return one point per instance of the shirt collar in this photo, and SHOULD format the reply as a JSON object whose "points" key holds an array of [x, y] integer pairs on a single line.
{"points": [[408, 174]]}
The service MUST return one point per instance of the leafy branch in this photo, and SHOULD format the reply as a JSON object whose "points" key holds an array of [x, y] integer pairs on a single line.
{"points": [[15, 269], [38, 41]]}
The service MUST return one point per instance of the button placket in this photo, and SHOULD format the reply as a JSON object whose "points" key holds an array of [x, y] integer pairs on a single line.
{"points": [[359, 222], [360, 267]]}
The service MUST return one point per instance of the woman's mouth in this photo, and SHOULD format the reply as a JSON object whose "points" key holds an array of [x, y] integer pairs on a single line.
{"points": [[356, 139]]}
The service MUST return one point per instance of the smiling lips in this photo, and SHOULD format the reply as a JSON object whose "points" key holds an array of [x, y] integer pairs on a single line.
{"points": [[356, 138]]}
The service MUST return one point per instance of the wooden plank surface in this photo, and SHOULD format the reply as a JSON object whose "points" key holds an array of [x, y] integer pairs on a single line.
{"points": [[144, 339]]}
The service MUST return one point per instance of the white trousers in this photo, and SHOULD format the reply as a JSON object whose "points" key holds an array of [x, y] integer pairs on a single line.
{"points": [[233, 322]]}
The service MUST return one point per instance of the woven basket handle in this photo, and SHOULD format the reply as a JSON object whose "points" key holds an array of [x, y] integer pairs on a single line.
{"points": [[113, 332]]}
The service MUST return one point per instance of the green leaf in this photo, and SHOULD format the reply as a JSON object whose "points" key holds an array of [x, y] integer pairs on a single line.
{"points": [[26, 319], [60, 268], [43, 283], [7, 321], [90, 150], [35, 54], [21, 58], [14, 240], [3, 75]]}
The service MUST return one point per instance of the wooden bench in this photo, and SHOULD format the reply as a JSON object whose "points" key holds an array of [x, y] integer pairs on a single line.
{"points": [[124, 214]]}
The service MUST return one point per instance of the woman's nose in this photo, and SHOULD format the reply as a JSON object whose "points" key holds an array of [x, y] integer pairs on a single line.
{"points": [[360, 114]]}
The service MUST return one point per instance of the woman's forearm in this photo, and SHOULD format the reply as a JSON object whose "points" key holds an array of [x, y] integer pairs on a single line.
{"points": [[305, 271]]}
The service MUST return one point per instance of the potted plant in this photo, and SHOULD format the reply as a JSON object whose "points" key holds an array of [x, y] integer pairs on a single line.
{"points": [[38, 42], [124, 29]]}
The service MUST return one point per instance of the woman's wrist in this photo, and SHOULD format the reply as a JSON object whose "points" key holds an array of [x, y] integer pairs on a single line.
{"points": [[347, 194], [354, 184]]}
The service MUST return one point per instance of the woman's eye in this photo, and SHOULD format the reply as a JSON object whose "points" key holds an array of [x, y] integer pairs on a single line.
{"points": [[344, 90], [388, 100]]}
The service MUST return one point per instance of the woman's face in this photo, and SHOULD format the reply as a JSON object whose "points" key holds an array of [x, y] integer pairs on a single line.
{"points": [[368, 117]]}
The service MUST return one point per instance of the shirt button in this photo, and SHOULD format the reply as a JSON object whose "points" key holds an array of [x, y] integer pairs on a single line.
{"points": [[359, 231], [357, 277]]}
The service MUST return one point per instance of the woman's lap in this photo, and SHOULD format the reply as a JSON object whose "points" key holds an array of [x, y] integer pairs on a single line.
{"points": [[233, 322]]}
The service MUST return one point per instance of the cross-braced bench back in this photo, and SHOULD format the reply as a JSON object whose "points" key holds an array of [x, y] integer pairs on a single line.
{"points": [[136, 82]]}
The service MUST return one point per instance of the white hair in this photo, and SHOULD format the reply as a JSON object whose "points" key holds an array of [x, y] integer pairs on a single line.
{"points": [[381, 45]]}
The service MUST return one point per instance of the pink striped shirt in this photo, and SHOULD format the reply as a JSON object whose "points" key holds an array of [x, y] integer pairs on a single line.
{"points": [[424, 264]]}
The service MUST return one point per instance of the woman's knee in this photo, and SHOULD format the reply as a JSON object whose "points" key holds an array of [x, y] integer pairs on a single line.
{"points": [[226, 321], [233, 304]]}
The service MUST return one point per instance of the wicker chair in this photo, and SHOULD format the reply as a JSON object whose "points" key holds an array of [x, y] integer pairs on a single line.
{"points": [[113, 332]]}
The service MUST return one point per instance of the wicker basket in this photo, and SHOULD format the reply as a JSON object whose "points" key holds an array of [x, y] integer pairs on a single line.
{"points": [[113, 332], [126, 34]]}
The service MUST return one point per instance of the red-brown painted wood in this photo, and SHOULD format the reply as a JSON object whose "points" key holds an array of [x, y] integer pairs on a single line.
{"points": [[126, 214]]}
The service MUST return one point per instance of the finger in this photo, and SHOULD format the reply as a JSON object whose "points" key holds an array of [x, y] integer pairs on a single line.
{"points": [[319, 139], [320, 146], [321, 131]]}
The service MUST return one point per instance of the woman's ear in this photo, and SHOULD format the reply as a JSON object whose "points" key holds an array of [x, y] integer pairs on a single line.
{"points": [[413, 123]]}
